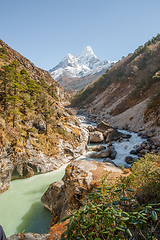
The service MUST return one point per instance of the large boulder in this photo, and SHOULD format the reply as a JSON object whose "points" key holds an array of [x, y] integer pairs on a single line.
{"points": [[71, 111], [80, 178], [102, 126], [49, 198], [91, 128], [129, 159], [96, 137], [113, 135], [102, 154], [105, 153], [113, 153], [98, 148]]}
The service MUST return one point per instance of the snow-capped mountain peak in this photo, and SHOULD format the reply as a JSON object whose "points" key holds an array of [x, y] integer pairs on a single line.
{"points": [[86, 52], [86, 63]]}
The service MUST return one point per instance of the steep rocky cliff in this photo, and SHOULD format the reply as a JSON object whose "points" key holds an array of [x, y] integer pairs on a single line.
{"points": [[80, 178]]}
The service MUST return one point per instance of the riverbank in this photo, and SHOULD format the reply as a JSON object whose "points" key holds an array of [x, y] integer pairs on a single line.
{"points": [[131, 119], [122, 147]]}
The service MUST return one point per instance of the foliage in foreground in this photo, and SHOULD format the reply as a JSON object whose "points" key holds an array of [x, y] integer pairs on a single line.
{"points": [[114, 212]]}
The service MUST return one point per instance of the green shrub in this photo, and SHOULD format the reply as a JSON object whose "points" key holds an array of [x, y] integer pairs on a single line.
{"points": [[100, 218], [147, 179], [115, 210], [3, 51]]}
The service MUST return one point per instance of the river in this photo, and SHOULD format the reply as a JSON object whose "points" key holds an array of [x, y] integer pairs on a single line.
{"points": [[20, 206]]}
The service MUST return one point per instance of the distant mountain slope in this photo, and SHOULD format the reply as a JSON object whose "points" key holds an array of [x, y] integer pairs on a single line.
{"points": [[80, 68], [131, 81]]}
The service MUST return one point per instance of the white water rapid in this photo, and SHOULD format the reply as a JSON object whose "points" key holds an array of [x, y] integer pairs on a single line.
{"points": [[123, 148], [20, 206]]}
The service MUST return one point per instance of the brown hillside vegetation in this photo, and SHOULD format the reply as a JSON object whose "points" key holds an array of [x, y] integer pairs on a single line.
{"points": [[8, 55], [131, 81], [33, 122]]}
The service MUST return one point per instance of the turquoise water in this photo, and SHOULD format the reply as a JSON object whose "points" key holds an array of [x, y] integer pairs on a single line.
{"points": [[21, 208]]}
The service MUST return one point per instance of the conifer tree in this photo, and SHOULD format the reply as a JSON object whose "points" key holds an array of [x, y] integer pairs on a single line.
{"points": [[16, 86], [32, 91], [47, 109], [5, 77]]}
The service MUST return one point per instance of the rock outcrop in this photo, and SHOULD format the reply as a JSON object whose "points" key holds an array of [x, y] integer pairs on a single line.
{"points": [[113, 135], [96, 137], [6, 169], [103, 127], [107, 132], [27, 160], [80, 178]]}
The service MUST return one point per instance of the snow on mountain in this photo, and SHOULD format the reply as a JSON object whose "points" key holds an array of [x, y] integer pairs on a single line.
{"points": [[86, 63]]}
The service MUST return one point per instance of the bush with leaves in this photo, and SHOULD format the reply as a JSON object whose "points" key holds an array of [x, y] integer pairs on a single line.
{"points": [[98, 219], [146, 178], [114, 211]]}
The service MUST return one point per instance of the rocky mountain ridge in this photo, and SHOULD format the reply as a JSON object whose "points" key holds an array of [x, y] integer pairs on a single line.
{"points": [[84, 65]]}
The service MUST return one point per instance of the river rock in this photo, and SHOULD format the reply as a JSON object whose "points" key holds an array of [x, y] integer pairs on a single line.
{"points": [[102, 126], [80, 178], [113, 153], [129, 159], [91, 128], [134, 151], [96, 137], [113, 135], [98, 148], [49, 198], [102, 154], [28, 171], [157, 144], [108, 160], [28, 236]]}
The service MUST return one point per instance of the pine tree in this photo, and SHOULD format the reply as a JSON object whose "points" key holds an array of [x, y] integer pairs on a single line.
{"points": [[47, 109], [16, 86], [5, 77]]}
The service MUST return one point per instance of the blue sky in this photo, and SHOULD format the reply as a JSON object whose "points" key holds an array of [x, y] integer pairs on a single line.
{"points": [[45, 31]]}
